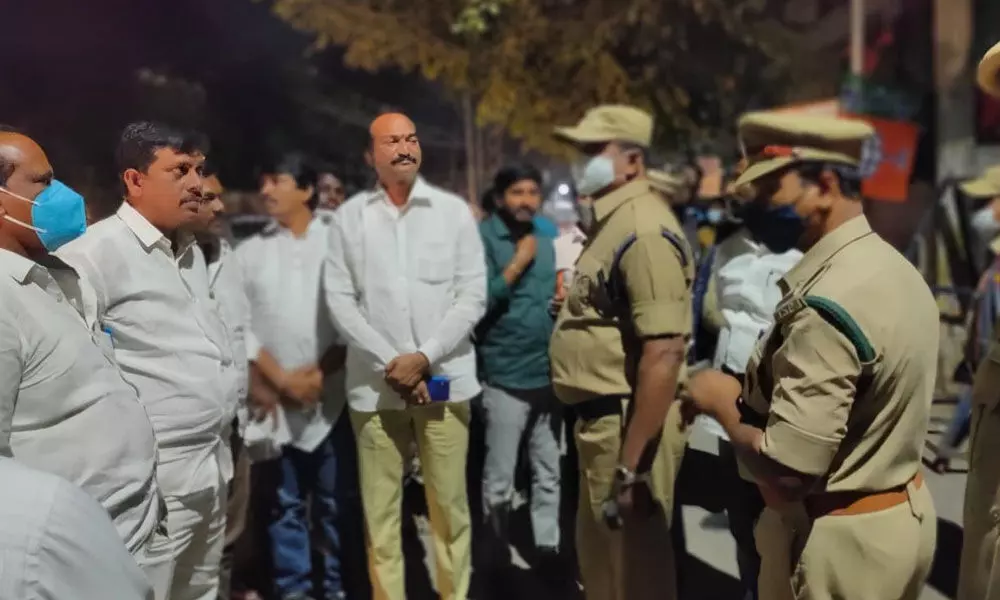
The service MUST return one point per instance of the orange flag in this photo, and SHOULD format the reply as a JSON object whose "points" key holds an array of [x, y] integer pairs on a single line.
{"points": [[893, 148]]}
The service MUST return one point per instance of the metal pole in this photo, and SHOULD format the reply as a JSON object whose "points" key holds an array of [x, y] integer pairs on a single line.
{"points": [[857, 36]]}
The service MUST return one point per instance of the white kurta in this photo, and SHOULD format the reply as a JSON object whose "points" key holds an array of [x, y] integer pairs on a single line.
{"points": [[170, 343], [747, 275], [57, 542], [281, 274], [405, 280]]}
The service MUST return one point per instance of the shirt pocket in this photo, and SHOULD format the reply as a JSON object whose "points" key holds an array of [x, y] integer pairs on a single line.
{"points": [[435, 264]]}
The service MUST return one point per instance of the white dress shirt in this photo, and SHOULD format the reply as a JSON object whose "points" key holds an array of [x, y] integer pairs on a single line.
{"points": [[282, 275], [746, 275], [227, 295], [569, 246], [402, 280], [56, 542], [170, 343], [73, 414]]}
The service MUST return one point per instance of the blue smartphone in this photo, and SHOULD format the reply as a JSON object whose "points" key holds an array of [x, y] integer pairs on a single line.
{"points": [[439, 387]]}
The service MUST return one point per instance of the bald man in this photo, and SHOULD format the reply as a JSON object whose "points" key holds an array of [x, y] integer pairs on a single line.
{"points": [[405, 283], [64, 406]]}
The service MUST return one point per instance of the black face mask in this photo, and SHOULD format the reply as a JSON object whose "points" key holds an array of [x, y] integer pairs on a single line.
{"points": [[779, 228]]}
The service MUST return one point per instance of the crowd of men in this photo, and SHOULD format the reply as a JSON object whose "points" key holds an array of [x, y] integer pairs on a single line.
{"points": [[144, 361]]}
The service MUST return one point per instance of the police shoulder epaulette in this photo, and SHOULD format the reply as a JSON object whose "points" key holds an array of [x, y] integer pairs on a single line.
{"points": [[615, 284], [835, 315]]}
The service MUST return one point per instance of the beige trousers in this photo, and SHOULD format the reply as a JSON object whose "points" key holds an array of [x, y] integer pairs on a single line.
{"points": [[979, 578], [875, 556], [636, 562], [441, 432]]}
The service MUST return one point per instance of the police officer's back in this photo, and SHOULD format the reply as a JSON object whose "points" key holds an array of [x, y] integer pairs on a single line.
{"points": [[616, 353]]}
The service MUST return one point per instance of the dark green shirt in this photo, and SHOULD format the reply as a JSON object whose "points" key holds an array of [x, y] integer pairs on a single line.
{"points": [[513, 337]]}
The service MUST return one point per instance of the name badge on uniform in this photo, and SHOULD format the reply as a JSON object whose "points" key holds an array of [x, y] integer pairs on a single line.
{"points": [[788, 308]]}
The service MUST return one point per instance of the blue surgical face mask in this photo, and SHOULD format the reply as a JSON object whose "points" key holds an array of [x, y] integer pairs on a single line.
{"points": [[779, 228], [58, 215]]}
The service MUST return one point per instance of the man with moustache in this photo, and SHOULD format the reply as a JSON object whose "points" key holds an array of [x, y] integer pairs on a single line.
{"points": [[60, 387], [152, 299], [228, 298], [405, 284], [512, 341]]}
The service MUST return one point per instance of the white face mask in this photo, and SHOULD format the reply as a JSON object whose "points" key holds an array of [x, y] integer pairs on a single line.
{"points": [[594, 175], [984, 223]]}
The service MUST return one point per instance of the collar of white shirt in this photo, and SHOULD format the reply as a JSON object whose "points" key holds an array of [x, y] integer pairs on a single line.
{"points": [[17, 266], [20, 267], [147, 233], [421, 193]]}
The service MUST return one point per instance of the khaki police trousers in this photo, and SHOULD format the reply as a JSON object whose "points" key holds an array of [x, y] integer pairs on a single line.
{"points": [[874, 556], [979, 578], [636, 562], [441, 431]]}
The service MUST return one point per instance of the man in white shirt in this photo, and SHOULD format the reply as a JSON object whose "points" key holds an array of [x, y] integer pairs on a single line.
{"points": [[228, 297], [152, 298], [63, 402], [330, 191], [57, 542], [746, 277], [405, 284], [300, 355]]}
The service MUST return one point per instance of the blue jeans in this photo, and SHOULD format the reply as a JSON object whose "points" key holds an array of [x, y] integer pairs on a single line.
{"points": [[329, 474]]}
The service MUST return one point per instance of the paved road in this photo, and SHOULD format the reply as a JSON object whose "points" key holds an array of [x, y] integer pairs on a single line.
{"points": [[711, 572], [709, 541]]}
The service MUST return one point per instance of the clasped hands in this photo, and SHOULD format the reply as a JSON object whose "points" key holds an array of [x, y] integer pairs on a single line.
{"points": [[405, 375]]}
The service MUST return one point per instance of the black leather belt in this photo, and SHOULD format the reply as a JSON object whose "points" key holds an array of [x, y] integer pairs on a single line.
{"points": [[599, 407]]}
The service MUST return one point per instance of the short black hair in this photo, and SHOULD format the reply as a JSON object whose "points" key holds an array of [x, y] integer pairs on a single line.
{"points": [[139, 142], [507, 176], [848, 177], [6, 168], [302, 169]]}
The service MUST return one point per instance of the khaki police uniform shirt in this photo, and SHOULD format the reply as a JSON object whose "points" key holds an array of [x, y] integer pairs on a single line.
{"points": [[986, 384], [587, 351], [816, 422]]}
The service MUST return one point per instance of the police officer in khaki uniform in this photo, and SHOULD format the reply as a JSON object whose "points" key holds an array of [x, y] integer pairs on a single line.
{"points": [[979, 578], [832, 419], [666, 184], [617, 353]]}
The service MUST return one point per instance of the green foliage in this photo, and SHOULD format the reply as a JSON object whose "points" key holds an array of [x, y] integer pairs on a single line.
{"points": [[531, 64]]}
